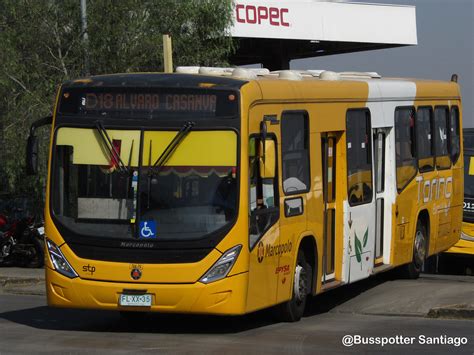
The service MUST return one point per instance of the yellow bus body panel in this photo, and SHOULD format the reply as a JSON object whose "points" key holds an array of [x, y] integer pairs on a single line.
{"points": [[226, 296]]}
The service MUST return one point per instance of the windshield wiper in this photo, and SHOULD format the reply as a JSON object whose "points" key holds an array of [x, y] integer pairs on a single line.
{"points": [[170, 149], [114, 155], [129, 165], [163, 158]]}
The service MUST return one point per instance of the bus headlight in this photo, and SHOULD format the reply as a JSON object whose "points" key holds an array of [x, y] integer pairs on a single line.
{"points": [[222, 266], [59, 261]]}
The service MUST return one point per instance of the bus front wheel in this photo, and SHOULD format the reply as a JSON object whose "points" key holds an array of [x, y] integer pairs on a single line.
{"points": [[292, 310]]}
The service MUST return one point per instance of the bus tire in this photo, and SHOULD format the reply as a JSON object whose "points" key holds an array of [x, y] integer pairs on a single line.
{"points": [[293, 310], [413, 269]]}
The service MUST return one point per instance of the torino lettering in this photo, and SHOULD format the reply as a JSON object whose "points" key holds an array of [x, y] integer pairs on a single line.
{"points": [[432, 189], [261, 14]]}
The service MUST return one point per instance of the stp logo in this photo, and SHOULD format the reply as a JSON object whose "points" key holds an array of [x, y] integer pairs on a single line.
{"points": [[260, 14]]}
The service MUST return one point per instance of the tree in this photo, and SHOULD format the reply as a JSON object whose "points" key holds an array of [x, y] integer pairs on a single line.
{"points": [[41, 46]]}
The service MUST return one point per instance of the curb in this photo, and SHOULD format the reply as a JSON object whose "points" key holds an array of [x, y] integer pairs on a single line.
{"points": [[457, 311], [7, 281]]}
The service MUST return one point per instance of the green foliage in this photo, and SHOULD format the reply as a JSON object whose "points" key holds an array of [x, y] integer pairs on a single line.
{"points": [[41, 46]]}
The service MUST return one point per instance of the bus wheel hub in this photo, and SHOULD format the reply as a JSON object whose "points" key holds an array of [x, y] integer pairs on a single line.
{"points": [[300, 284], [420, 249]]}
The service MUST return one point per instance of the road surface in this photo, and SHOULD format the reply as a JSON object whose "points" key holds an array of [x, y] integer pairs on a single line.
{"points": [[377, 310]]}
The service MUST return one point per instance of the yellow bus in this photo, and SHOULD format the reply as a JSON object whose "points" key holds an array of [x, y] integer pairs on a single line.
{"points": [[226, 191], [461, 255]]}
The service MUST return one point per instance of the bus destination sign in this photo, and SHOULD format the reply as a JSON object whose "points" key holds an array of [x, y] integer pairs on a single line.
{"points": [[149, 103], [116, 101]]}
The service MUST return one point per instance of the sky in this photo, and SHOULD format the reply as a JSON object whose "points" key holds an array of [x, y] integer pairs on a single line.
{"points": [[445, 46]]}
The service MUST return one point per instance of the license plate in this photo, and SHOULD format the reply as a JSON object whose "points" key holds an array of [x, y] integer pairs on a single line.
{"points": [[135, 300]]}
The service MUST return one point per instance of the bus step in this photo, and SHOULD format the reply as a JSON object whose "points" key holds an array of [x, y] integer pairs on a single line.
{"points": [[330, 285]]}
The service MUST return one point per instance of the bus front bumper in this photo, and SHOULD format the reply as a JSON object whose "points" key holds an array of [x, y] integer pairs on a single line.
{"points": [[225, 297]]}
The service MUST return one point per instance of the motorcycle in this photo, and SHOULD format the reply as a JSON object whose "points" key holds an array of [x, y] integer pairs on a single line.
{"points": [[21, 242]]}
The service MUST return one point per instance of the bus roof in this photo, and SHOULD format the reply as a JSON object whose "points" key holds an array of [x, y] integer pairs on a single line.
{"points": [[156, 80], [304, 83]]}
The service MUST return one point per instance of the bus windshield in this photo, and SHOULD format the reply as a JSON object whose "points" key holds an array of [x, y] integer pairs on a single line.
{"points": [[193, 194]]}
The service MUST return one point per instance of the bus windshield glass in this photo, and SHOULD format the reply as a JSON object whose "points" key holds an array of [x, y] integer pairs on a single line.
{"points": [[195, 192], [95, 194]]}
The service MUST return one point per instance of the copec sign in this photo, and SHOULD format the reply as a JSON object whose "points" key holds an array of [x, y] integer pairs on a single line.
{"points": [[324, 21], [251, 14]]}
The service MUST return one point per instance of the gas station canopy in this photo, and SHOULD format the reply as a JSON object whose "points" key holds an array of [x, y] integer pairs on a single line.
{"points": [[275, 32]]}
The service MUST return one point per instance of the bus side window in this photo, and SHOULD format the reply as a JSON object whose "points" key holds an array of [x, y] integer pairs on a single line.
{"points": [[263, 196], [405, 145], [295, 152], [425, 139], [454, 135], [443, 161]]}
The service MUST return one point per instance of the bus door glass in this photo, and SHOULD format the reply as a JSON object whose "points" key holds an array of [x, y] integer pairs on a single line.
{"points": [[360, 210], [328, 148], [295, 183], [379, 159]]}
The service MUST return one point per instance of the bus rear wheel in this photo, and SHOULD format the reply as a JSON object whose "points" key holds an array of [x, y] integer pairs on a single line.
{"points": [[412, 270], [293, 310]]}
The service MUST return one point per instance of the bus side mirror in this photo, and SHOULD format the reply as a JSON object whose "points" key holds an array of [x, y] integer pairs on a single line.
{"points": [[32, 145], [32, 155], [267, 159]]}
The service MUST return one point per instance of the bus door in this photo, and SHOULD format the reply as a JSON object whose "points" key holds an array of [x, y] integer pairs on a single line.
{"points": [[264, 212], [360, 210], [328, 149], [295, 184], [379, 169]]}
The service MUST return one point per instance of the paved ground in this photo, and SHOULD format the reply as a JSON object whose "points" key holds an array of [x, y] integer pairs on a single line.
{"points": [[26, 325], [413, 297], [12, 274], [22, 281], [378, 307]]}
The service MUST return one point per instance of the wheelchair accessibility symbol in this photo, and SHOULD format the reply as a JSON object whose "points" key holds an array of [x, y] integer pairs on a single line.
{"points": [[148, 229]]}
